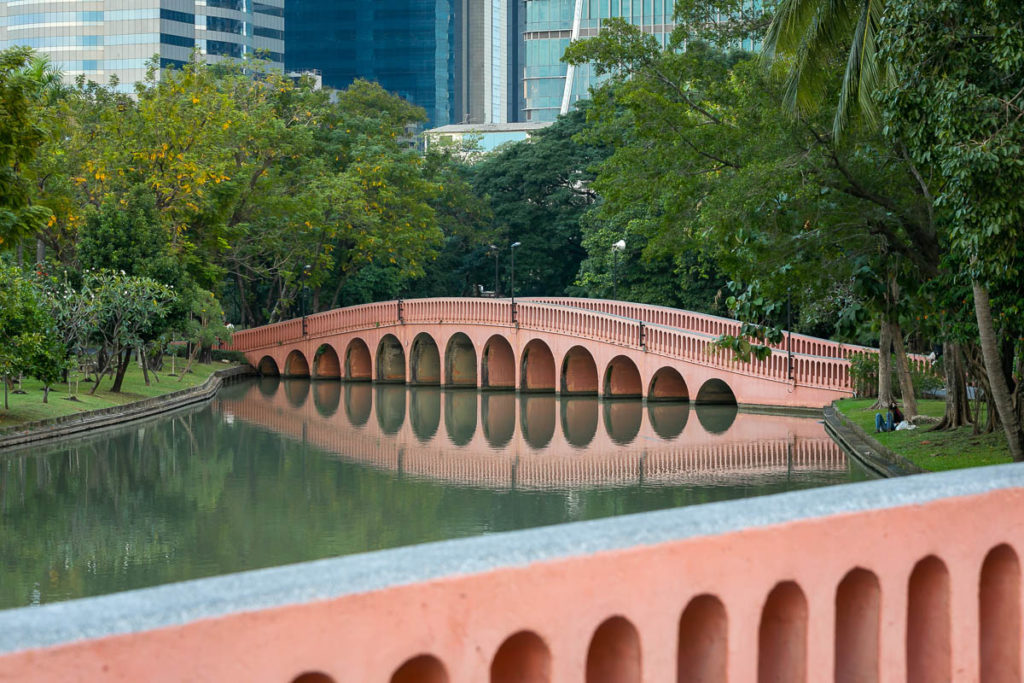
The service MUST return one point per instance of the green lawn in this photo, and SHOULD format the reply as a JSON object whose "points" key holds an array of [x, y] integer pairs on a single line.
{"points": [[29, 406], [933, 451]]}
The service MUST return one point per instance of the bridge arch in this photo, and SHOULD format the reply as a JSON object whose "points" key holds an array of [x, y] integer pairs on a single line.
{"points": [[579, 420], [424, 411], [716, 391], [267, 367], [579, 372], [622, 379], [424, 360], [668, 385], [614, 654], [390, 359], [524, 656], [296, 365], [421, 669], [460, 361], [325, 363], [498, 364], [357, 361], [537, 367]]}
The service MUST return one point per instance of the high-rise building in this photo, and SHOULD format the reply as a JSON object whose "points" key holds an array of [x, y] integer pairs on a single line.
{"points": [[104, 38], [408, 46], [550, 86]]}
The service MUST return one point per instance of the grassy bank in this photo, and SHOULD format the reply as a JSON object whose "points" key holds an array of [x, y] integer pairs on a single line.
{"points": [[29, 406], [933, 451]]}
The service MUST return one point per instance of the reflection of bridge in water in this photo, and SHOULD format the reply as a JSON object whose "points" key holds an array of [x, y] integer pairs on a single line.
{"points": [[504, 440]]}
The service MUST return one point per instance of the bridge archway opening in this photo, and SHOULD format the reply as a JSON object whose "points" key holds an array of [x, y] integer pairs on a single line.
{"points": [[296, 390], [999, 612], [424, 411], [325, 363], [424, 361], [523, 657], [357, 361], [622, 379], [929, 632], [579, 372], [717, 392], [296, 365], [390, 404], [498, 365], [622, 420], [421, 669], [460, 416], [537, 420], [858, 628], [460, 362], [579, 420], [537, 367], [782, 636], [668, 385], [267, 367], [498, 418], [326, 397], [614, 654], [390, 359], [358, 403], [668, 419], [702, 654]]}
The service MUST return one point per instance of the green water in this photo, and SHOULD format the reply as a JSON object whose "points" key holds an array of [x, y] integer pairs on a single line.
{"points": [[273, 473]]}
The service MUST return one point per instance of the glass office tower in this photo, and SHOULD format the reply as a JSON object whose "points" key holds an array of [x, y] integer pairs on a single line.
{"points": [[104, 38], [408, 46]]}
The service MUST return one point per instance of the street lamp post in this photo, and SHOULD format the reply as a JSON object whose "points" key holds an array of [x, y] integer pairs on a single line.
{"points": [[616, 248], [304, 295], [515, 245]]}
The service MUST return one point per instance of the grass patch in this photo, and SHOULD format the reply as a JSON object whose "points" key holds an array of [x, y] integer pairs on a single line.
{"points": [[29, 406], [933, 451]]}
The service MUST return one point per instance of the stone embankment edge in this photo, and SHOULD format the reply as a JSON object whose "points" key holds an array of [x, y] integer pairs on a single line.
{"points": [[72, 425], [856, 442]]}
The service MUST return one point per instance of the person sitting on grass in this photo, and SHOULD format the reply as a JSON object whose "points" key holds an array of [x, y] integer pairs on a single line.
{"points": [[892, 418]]}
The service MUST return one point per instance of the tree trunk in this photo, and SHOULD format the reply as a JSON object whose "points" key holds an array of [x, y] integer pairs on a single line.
{"points": [[40, 252], [248, 319], [316, 300], [142, 362], [6, 406], [903, 371], [958, 408], [122, 367], [46, 393], [994, 370], [885, 396], [206, 355]]}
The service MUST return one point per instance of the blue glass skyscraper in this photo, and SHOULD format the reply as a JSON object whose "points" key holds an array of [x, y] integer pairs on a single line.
{"points": [[408, 46]]}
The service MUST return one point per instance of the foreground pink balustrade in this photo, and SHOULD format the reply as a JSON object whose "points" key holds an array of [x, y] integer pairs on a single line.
{"points": [[569, 346], [912, 579]]}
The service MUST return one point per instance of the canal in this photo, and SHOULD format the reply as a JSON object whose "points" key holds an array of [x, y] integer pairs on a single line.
{"points": [[275, 471]]}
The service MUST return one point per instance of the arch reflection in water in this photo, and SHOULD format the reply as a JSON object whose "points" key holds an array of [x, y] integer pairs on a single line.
{"points": [[622, 420], [358, 403], [498, 417], [716, 419], [297, 391], [537, 419], [668, 420], [460, 416], [390, 404], [579, 420], [424, 411], [326, 397], [269, 384]]}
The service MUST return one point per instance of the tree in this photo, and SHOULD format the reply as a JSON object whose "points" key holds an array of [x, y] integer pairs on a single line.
{"points": [[20, 138], [957, 103], [23, 327]]}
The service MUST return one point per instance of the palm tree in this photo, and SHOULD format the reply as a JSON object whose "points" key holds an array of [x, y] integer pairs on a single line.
{"points": [[811, 36]]}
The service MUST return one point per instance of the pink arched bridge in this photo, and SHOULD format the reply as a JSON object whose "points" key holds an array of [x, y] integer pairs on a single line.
{"points": [[569, 346]]}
